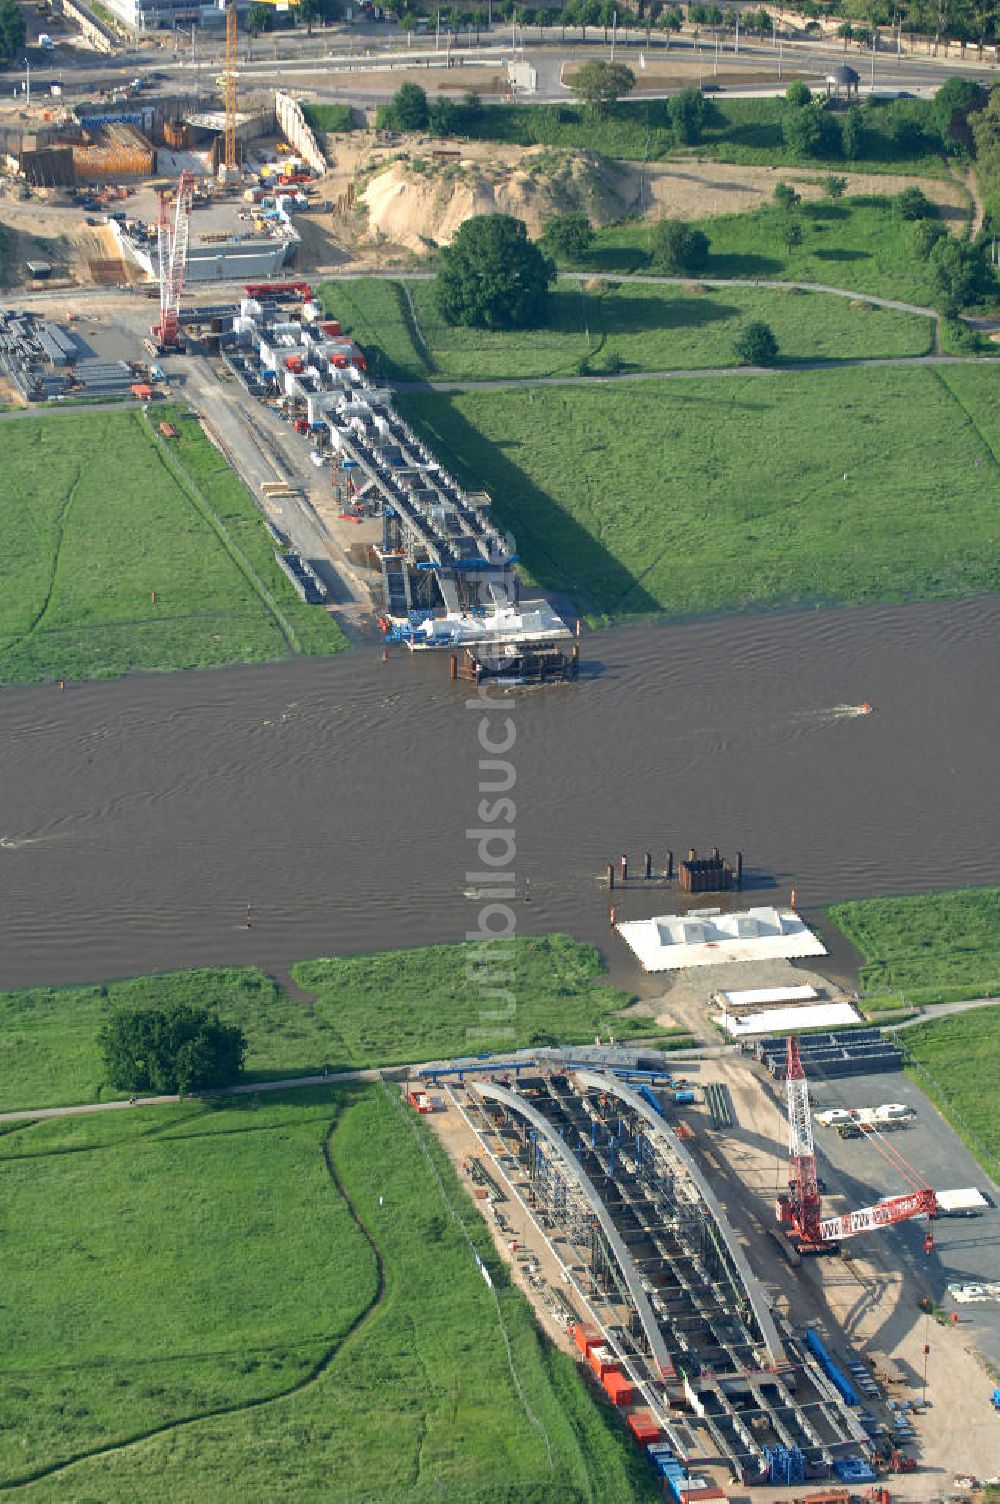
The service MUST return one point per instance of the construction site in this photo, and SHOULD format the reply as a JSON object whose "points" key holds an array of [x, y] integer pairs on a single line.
{"points": [[675, 1230]]}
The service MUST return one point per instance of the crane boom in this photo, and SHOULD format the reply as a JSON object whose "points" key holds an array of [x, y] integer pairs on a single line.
{"points": [[803, 1185], [882, 1214], [172, 245]]}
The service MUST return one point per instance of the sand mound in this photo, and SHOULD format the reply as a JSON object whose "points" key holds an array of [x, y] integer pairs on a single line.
{"points": [[420, 203]]}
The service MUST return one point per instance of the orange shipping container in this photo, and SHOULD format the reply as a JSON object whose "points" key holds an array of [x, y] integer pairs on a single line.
{"points": [[644, 1427], [617, 1388], [601, 1361], [586, 1336]]}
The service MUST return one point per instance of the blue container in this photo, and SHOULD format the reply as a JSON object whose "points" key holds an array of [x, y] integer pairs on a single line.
{"points": [[683, 1098]]}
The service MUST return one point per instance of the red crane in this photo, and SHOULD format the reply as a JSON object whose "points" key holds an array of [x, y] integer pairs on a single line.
{"points": [[799, 1207], [172, 245]]}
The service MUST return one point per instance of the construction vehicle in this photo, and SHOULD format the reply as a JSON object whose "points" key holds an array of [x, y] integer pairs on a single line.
{"points": [[799, 1208]]}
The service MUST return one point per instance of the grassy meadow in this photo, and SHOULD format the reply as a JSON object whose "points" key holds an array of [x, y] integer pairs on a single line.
{"points": [[899, 135], [643, 326], [120, 514], [735, 492], [856, 243], [384, 1009], [952, 1059], [930, 947], [275, 1301]]}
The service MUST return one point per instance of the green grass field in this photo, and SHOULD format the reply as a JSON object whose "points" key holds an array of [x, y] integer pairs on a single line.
{"points": [[382, 1009], [275, 1301], [854, 243], [930, 947], [96, 513], [647, 327], [953, 1059], [729, 493]]}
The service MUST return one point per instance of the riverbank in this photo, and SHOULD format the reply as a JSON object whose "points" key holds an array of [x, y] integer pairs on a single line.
{"points": [[925, 948], [350, 1012]]}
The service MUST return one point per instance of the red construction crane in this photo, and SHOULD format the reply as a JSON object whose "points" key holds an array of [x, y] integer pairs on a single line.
{"points": [[799, 1206], [172, 246]]}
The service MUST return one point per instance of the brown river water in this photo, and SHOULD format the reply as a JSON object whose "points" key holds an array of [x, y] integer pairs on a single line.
{"points": [[139, 819]]}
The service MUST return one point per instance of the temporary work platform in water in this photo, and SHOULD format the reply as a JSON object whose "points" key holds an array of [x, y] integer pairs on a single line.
{"points": [[706, 937]]}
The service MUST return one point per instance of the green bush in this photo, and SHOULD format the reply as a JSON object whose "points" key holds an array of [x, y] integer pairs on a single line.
{"points": [[687, 115], [913, 203], [756, 345], [407, 110], [567, 236], [677, 247]]}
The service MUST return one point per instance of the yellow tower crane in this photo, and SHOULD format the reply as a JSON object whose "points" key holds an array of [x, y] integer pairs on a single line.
{"points": [[229, 153]]}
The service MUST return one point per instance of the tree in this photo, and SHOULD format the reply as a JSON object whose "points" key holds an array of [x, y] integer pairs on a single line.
{"points": [[316, 10], [951, 107], [407, 110], [913, 203], [12, 30], [797, 94], [177, 1048], [756, 345], [853, 135], [568, 236], [492, 277], [924, 235], [676, 247], [601, 84], [687, 116], [802, 129], [785, 196], [834, 186], [959, 273], [260, 18], [443, 117], [792, 233]]}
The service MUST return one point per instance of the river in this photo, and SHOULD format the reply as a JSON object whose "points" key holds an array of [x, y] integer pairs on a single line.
{"points": [[140, 818]]}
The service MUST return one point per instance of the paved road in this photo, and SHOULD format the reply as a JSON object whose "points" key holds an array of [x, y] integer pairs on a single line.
{"points": [[328, 59]]}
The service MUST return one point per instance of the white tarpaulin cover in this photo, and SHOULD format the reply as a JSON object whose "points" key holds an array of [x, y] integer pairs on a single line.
{"points": [[706, 937]]}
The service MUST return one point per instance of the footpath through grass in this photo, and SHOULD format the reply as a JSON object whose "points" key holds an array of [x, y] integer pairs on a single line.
{"points": [[642, 326], [97, 513], [856, 243], [956, 1061], [929, 947], [198, 1275], [728, 493], [385, 1009]]}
